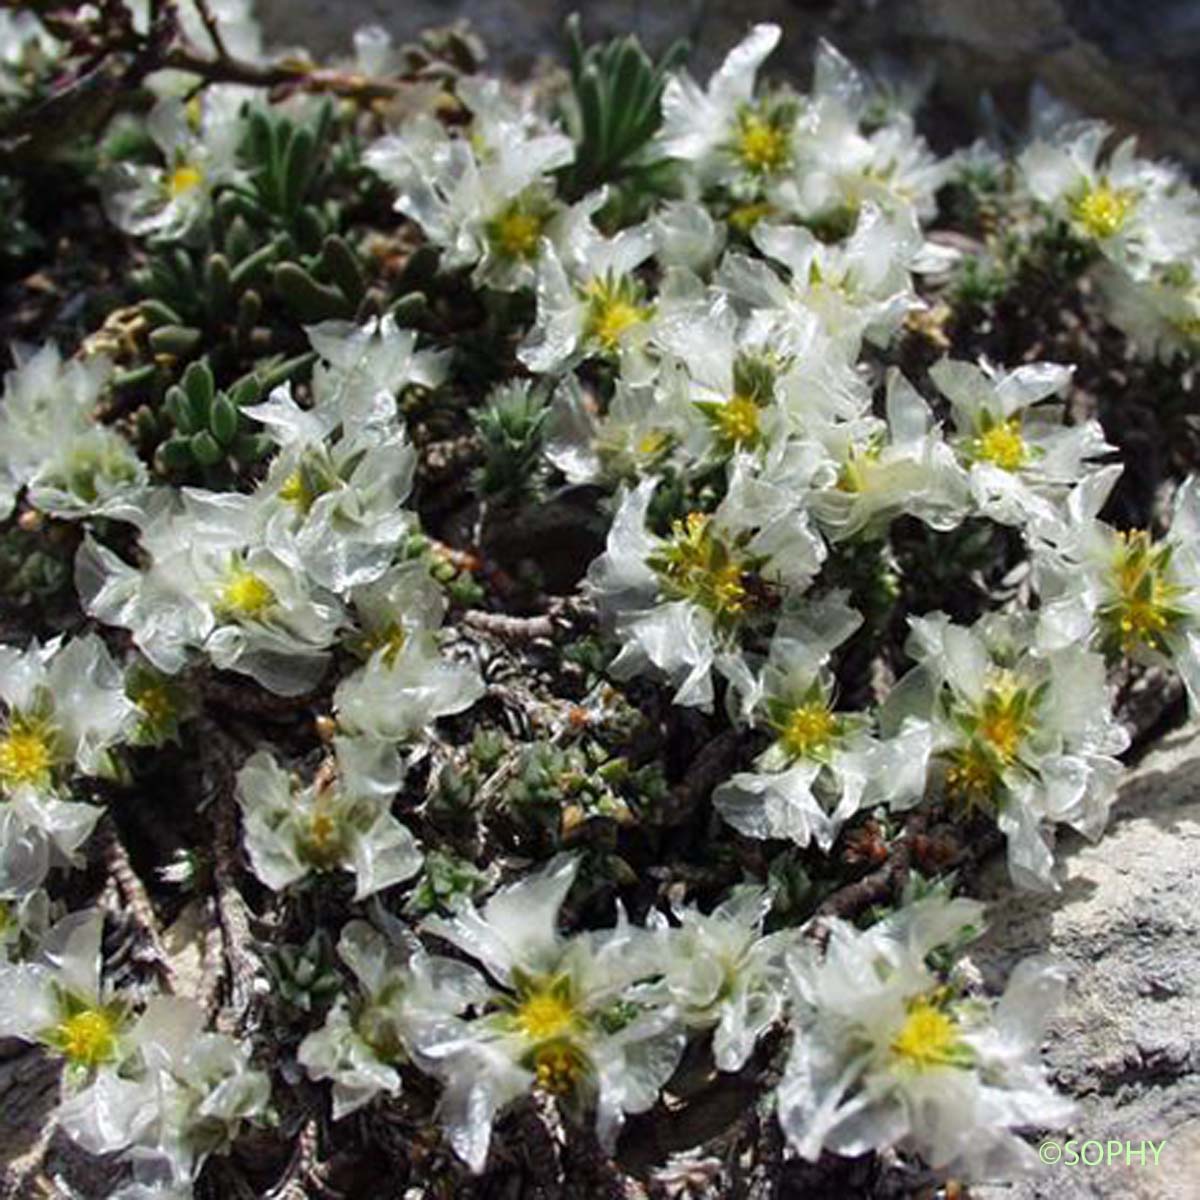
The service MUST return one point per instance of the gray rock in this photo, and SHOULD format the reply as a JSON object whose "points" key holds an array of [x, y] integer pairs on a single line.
{"points": [[1137, 65], [1127, 1043]]}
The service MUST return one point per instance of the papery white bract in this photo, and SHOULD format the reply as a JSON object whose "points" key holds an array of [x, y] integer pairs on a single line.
{"points": [[405, 998], [1023, 734], [886, 1055], [52, 444], [213, 586], [340, 821], [564, 1014], [199, 145]]}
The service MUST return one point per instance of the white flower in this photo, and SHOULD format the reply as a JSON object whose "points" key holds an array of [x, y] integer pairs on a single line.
{"points": [[199, 144], [398, 693], [64, 708], [58, 999], [1022, 734], [212, 586], [1135, 212], [338, 822], [679, 602], [589, 301], [404, 999], [51, 443], [1129, 594], [1159, 313], [823, 766], [881, 470], [363, 367], [24, 43], [633, 434], [858, 289], [180, 1094], [885, 1054], [1020, 457], [565, 1015], [332, 506], [484, 197], [721, 973], [721, 384], [725, 136], [406, 683], [686, 235], [838, 167]]}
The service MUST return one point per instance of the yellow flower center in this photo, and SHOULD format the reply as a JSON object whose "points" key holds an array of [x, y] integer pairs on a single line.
{"points": [[1145, 604], [697, 566], [546, 1013], [855, 473], [322, 839], [26, 755], [1003, 731], [928, 1038], [87, 1039], [613, 309], [246, 594], [515, 234], [183, 179], [745, 216], [1143, 620], [971, 776], [1102, 210], [652, 444], [390, 640], [762, 147], [1002, 445], [809, 730], [738, 421], [558, 1067], [294, 490], [156, 704]]}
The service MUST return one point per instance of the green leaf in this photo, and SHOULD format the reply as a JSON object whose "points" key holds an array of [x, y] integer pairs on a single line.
{"points": [[223, 419], [249, 309], [309, 300], [298, 163], [176, 454], [340, 265], [199, 385], [157, 313], [178, 340], [254, 265], [218, 286], [205, 449], [177, 408]]}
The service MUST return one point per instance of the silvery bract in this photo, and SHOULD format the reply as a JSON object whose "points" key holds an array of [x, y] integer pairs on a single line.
{"points": [[885, 1053], [563, 1013], [339, 822], [403, 999], [51, 443]]}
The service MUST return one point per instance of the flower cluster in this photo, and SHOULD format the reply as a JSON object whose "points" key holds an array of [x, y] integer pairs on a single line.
{"points": [[1141, 218], [701, 339]]}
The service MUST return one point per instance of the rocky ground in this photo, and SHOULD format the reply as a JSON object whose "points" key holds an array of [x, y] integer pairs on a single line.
{"points": [[1104, 57], [1128, 1042]]}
